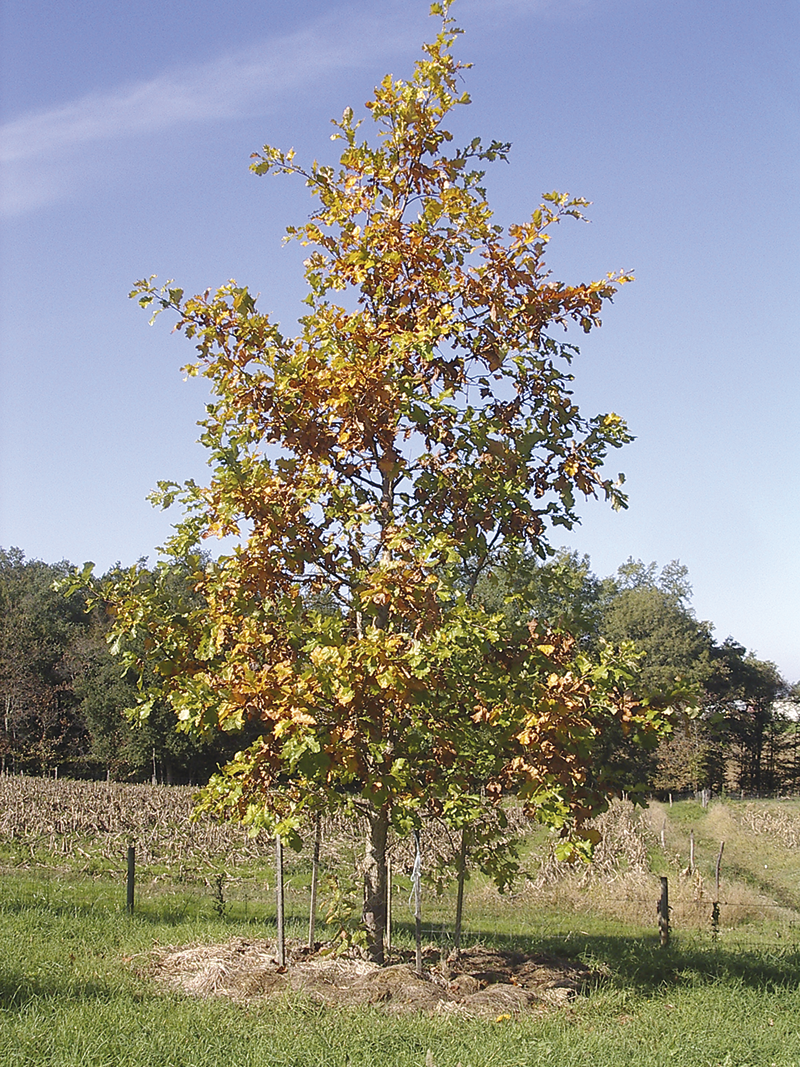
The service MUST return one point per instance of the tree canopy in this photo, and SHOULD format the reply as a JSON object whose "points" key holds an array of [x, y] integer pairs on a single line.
{"points": [[368, 467]]}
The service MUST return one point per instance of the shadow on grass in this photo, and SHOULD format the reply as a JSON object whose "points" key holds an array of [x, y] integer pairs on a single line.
{"points": [[639, 964], [635, 963], [161, 913], [18, 991]]}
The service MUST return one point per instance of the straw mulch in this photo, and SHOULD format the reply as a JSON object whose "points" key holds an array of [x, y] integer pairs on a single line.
{"points": [[479, 983]]}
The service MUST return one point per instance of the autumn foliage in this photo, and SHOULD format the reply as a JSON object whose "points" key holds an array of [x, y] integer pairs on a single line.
{"points": [[368, 468]]}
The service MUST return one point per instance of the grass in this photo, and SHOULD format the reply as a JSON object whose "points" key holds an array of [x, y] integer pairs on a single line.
{"points": [[760, 869], [75, 990], [72, 992]]}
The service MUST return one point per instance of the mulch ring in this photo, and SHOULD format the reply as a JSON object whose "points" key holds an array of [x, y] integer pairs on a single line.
{"points": [[479, 983]]}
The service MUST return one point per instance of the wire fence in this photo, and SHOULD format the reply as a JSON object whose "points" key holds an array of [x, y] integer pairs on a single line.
{"points": [[735, 882], [247, 894]]}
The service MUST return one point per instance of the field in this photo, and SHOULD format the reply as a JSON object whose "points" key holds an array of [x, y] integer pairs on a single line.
{"points": [[77, 973]]}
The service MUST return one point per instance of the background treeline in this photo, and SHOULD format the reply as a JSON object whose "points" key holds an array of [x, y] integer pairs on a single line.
{"points": [[65, 697], [738, 730]]}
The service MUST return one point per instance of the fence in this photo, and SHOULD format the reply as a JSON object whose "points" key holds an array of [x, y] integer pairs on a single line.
{"points": [[635, 906], [72, 839]]}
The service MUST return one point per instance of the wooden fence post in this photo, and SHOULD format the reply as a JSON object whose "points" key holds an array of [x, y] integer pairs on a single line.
{"points": [[462, 873], [663, 913], [715, 904], [131, 877]]}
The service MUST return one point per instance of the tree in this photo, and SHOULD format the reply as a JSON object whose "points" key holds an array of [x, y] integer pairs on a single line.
{"points": [[653, 611], [561, 592], [743, 692], [42, 727], [688, 759], [368, 468], [733, 734]]}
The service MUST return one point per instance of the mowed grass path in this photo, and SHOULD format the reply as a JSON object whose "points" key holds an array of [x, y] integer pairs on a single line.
{"points": [[74, 990]]}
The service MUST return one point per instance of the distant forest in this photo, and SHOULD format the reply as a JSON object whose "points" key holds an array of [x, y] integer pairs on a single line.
{"points": [[66, 699]]}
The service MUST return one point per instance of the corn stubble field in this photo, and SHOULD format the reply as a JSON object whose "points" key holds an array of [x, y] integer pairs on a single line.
{"points": [[83, 982]]}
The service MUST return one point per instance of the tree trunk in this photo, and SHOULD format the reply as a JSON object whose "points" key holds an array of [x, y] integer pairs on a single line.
{"points": [[375, 883], [375, 874]]}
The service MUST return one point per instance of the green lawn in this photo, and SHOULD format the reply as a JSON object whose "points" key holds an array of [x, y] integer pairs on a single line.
{"points": [[74, 990]]}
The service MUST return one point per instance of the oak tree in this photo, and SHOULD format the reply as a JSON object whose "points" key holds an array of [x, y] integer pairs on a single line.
{"points": [[367, 468]]}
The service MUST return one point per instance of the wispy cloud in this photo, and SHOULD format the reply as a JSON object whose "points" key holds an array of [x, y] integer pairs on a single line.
{"points": [[494, 9], [44, 153], [48, 155], [212, 91]]}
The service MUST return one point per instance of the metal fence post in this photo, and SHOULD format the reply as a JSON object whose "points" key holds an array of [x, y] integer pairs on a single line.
{"points": [[279, 901]]}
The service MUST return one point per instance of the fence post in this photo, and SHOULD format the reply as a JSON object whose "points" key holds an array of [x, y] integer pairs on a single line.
{"points": [[715, 905], [462, 873], [312, 911], [131, 877], [279, 900], [388, 905], [663, 913], [417, 879], [691, 852]]}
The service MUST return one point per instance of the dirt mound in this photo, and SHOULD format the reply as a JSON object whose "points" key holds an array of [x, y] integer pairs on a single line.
{"points": [[479, 982]]}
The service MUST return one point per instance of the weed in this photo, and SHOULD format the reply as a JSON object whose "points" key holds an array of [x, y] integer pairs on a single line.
{"points": [[219, 905]]}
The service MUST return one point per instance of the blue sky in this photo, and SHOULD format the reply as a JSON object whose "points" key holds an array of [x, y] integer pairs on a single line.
{"points": [[126, 136]]}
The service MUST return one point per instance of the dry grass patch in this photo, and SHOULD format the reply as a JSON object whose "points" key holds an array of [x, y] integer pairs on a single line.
{"points": [[759, 867], [781, 826], [617, 882]]}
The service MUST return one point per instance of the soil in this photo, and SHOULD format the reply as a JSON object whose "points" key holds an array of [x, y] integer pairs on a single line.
{"points": [[478, 983]]}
